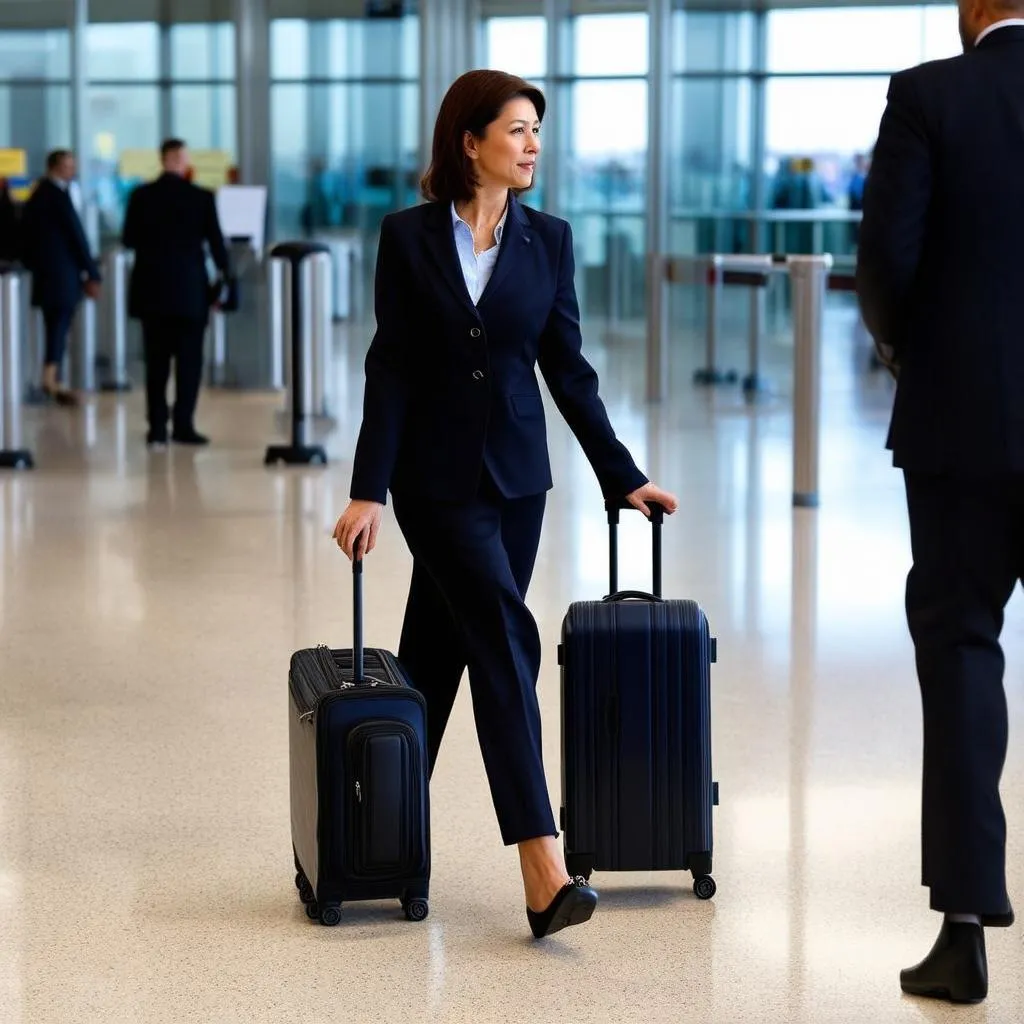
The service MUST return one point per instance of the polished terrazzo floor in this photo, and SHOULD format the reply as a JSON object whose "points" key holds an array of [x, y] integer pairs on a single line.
{"points": [[148, 606]]}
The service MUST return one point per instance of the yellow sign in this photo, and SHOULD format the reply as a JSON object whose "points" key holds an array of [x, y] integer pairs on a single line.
{"points": [[139, 164], [211, 167], [13, 163]]}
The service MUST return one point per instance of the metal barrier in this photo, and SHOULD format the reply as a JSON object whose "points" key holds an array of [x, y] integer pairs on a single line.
{"points": [[299, 290], [810, 278], [810, 282], [12, 454], [82, 350], [114, 319], [218, 348]]}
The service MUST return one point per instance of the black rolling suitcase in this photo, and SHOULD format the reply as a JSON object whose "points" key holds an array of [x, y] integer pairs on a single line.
{"points": [[359, 799], [637, 792]]}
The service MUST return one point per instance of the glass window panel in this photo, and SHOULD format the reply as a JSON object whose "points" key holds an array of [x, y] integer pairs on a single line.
{"points": [[35, 54], [804, 114], [36, 118], [610, 44], [845, 39], [344, 155], [709, 41], [941, 32], [384, 48], [203, 51], [517, 45], [120, 117], [289, 48], [123, 52], [607, 163], [710, 146], [204, 116]]}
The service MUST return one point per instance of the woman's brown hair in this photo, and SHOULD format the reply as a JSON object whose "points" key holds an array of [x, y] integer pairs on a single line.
{"points": [[473, 101]]}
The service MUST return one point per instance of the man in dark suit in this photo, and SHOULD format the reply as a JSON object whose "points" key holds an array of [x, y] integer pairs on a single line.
{"points": [[171, 224], [57, 253], [939, 278]]}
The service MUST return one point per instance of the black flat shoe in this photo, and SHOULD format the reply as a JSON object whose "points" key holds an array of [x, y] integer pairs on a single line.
{"points": [[574, 904], [956, 969]]}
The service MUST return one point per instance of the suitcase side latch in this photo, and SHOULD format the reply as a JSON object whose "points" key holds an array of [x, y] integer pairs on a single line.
{"points": [[714, 650], [714, 794]]}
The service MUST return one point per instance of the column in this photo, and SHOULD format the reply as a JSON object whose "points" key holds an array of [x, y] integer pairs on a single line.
{"points": [[81, 141], [658, 100], [252, 49], [445, 53]]}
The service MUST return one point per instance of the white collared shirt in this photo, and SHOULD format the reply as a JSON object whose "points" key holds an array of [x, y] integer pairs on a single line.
{"points": [[1006, 23], [476, 270]]}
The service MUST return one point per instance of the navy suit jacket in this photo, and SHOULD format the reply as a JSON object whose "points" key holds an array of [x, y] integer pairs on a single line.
{"points": [[452, 387], [169, 224], [939, 269], [55, 248]]}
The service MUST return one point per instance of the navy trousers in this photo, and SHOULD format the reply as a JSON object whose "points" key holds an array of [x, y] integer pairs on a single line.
{"points": [[57, 322], [472, 567], [968, 547]]}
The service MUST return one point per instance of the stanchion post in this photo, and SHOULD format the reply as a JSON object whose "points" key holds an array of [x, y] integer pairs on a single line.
{"points": [[753, 383], [810, 281], [296, 306], [710, 373], [12, 454], [658, 267], [115, 320], [319, 270], [218, 348], [82, 352]]}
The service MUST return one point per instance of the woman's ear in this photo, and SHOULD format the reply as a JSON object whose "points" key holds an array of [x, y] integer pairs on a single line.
{"points": [[469, 146]]}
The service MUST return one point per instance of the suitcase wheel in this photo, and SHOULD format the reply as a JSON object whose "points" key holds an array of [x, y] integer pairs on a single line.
{"points": [[704, 887], [312, 911], [306, 893], [330, 915], [416, 910]]}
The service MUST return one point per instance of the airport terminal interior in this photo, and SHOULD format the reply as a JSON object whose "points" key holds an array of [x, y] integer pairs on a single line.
{"points": [[150, 600]]}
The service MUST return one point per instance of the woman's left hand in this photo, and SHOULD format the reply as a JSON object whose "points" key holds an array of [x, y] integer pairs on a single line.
{"points": [[652, 492]]}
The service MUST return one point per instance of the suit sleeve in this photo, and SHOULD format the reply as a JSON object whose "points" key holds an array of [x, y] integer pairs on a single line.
{"points": [[896, 201], [386, 392], [573, 384], [215, 237], [80, 244]]}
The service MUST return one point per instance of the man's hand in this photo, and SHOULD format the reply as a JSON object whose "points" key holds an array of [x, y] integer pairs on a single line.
{"points": [[93, 289], [360, 520], [652, 492]]}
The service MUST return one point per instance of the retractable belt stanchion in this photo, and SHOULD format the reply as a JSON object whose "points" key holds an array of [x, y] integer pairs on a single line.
{"points": [[12, 454], [82, 350], [115, 320], [297, 308], [710, 373], [810, 280], [218, 348]]}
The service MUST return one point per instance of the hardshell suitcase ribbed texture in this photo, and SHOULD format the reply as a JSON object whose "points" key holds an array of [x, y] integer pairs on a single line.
{"points": [[637, 792], [360, 807]]}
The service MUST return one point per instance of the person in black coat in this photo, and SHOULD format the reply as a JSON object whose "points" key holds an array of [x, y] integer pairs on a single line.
{"points": [[939, 278], [171, 224], [57, 252], [473, 291]]}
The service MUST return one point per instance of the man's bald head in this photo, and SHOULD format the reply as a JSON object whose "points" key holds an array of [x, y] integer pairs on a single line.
{"points": [[978, 15]]}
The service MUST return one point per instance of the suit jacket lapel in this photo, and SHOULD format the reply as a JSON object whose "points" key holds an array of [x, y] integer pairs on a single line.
{"points": [[516, 238], [440, 237]]}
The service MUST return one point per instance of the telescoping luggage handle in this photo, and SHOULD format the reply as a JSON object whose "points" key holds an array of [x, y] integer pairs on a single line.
{"points": [[357, 613], [613, 507]]}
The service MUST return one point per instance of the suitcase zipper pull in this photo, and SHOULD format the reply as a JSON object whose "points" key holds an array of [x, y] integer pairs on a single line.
{"points": [[359, 793]]}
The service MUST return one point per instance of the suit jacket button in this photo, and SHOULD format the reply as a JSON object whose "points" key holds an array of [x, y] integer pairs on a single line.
{"points": [[478, 375], [475, 332]]}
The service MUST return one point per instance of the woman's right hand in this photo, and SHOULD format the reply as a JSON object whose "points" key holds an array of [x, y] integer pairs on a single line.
{"points": [[360, 519]]}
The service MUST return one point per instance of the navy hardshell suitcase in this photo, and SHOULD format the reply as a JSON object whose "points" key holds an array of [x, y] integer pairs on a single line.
{"points": [[637, 792], [360, 807]]}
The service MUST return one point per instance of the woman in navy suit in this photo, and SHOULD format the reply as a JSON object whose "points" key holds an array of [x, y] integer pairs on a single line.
{"points": [[473, 290]]}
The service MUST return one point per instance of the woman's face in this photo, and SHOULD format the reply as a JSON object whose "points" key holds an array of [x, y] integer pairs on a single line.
{"points": [[506, 157]]}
